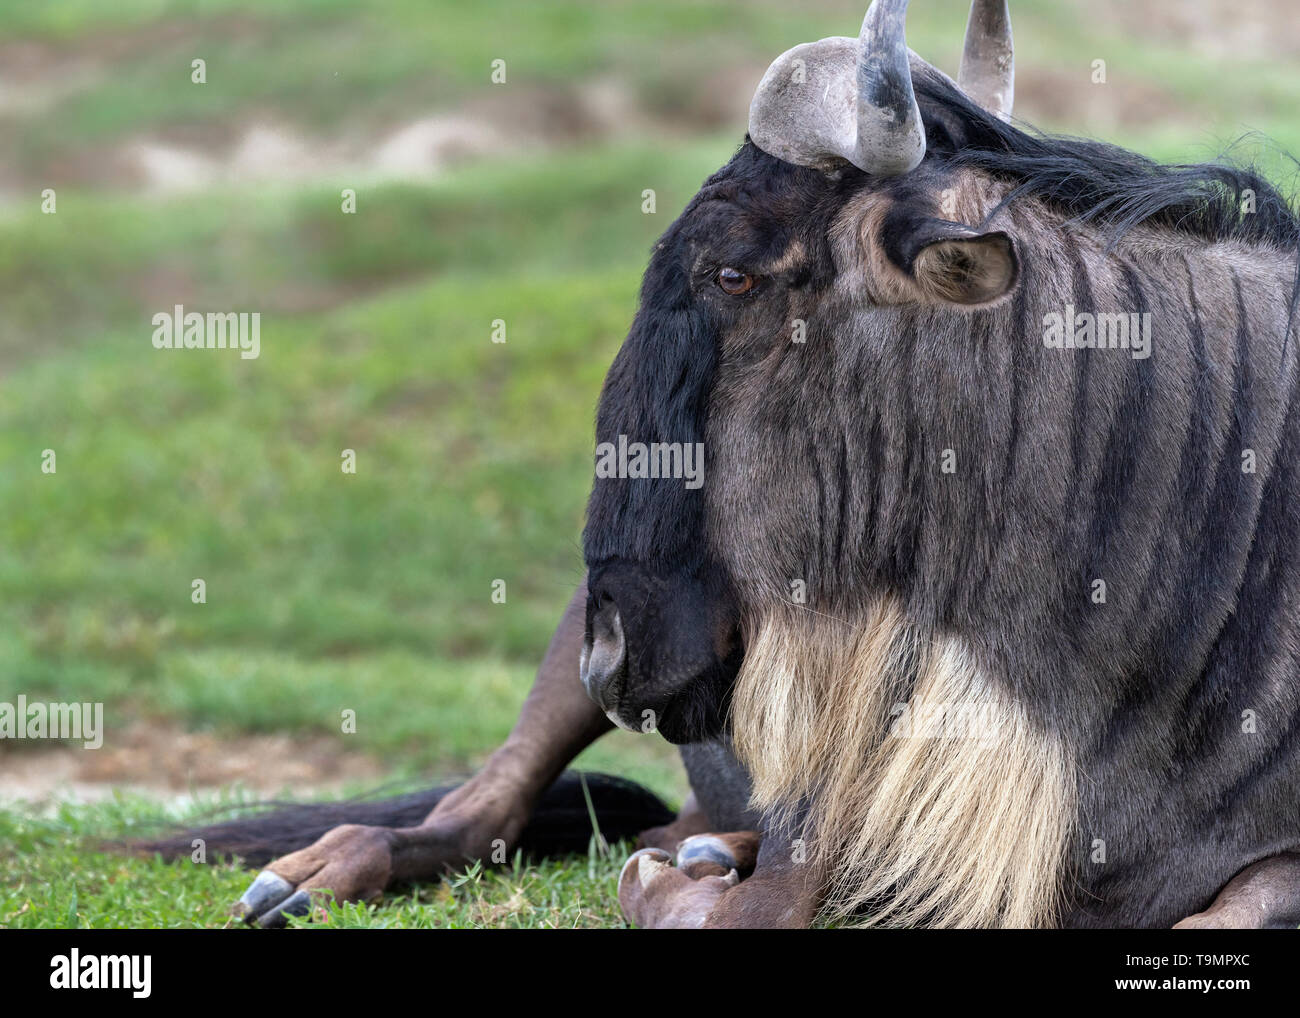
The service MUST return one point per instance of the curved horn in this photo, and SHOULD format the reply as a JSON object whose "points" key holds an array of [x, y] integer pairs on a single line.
{"points": [[842, 100], [988, 67], [890, 137]]}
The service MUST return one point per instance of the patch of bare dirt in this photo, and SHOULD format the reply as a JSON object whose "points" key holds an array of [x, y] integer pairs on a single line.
{"points": [[501, 122], [264, 147], [165, 760]]}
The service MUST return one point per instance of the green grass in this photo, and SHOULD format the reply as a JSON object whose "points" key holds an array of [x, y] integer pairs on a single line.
{"points": [[368, 592], [325, 592], [50, 879], [473, 457]]}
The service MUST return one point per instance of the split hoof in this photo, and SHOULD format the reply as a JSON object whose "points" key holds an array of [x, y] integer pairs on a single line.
{"points": [[655, 894]]}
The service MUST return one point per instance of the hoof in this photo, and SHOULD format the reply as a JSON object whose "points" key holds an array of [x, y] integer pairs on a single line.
{"points": [[298, 903], [655, 894], [706, 850], [263, 894]]}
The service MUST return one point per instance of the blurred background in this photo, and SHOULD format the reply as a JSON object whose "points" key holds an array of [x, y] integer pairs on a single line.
{"points": [[475, 201]]}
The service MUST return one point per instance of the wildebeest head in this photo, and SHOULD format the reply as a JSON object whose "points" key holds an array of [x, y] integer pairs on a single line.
{"points": [[909, 487], [825, 221]]}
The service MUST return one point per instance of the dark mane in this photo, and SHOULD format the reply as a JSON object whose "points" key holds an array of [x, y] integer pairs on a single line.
{"points": [[1097, 182]]}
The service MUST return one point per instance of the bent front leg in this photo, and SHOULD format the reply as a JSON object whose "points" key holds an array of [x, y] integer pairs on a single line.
{"points": [[557, 722], [1263, 896], [357, 862]]}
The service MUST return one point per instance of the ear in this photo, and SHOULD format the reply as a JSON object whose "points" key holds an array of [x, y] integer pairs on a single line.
{"points": [[951, 263]]}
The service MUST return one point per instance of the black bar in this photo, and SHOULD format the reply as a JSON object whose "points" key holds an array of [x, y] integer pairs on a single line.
{"points": [[362, 967]]}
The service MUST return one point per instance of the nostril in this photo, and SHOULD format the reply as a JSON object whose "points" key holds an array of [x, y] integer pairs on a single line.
{"points": [[604, 657]]}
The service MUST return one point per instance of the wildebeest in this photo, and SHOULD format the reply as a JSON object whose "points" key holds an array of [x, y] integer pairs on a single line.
{"points": [[984, 612]]}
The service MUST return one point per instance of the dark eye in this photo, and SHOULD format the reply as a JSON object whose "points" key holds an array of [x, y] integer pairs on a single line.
{"points": [[734, 282]]}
